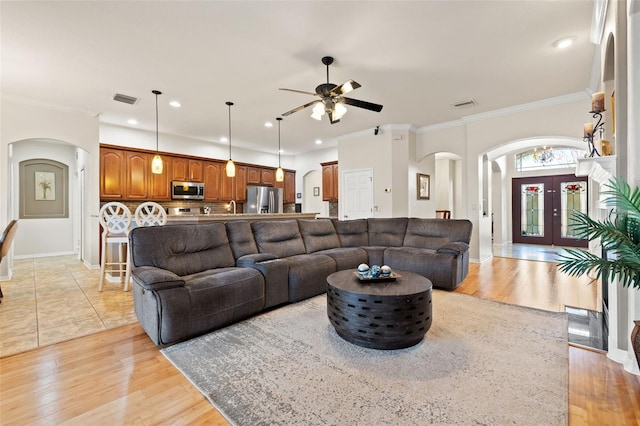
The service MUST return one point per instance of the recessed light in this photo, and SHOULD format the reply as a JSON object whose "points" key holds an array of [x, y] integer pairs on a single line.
{"points": [[268, 124], [224, 139], [282, 151], [175, 104], [318, 142], [563, 43], [132, 122]]}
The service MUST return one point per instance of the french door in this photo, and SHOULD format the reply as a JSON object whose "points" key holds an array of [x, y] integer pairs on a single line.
{"points": [[543, 206]]}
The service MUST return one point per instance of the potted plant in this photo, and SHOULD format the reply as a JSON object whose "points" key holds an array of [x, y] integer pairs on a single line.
{"points": [[619, 235]]}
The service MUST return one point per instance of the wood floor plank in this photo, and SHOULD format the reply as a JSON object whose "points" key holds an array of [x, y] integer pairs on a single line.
{"points": [[119, 376]]}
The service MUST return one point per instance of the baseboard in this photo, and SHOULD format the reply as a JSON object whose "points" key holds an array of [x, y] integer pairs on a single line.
{"points": [[31, 256]]}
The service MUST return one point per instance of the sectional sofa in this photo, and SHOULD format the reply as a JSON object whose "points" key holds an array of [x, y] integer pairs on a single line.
{"points": [[191, 279]]}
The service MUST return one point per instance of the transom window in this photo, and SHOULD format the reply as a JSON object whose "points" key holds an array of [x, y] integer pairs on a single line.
{"points": [[547, 157]]}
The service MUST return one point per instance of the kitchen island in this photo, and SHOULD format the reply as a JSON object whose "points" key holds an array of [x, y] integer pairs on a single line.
{"points": [[226, 217]]}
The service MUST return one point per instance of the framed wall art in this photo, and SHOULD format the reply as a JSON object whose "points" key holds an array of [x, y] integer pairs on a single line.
{"points": [[43, 189], [423, 186]]}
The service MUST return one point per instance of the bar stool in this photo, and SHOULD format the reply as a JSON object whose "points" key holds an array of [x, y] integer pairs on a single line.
{"points": [[115, 219], [443, 214], [150, 214]]}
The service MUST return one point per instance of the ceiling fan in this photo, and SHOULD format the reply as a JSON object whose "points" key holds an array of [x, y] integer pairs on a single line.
{"points": [[331, 98]]}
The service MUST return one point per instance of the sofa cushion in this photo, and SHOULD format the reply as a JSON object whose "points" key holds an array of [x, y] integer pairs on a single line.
{"points": [[318, 234], [438, 267], [241, 238], [308, 275], [181, 249], [346, 257], [435, 233], [280, 237], [388, 232], [352, 233]]}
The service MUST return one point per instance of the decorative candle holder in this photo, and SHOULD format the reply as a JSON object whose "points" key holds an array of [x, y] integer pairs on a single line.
{"points": [[599, 127]]}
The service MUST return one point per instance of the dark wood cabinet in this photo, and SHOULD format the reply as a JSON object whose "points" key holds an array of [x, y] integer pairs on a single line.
{"points": [[330, 180], [112, 174], [212, 180], [185, 169]]}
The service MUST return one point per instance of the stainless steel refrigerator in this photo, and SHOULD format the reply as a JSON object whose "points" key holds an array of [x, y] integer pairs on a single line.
{"points": [[263, 199]]}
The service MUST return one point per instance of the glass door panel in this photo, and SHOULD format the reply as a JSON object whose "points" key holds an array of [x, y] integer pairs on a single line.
{"points": [[543, 208], [532, 210]]}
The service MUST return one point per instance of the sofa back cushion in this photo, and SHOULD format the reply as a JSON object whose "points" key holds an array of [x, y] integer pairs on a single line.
{"points": [[279, 237], [181, 249], [434, 233], [318, 234], [352, 233], [387, 232], [241, 238]]}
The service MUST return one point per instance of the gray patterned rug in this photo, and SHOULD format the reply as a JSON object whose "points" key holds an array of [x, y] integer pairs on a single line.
{"points": [[482, 362]]}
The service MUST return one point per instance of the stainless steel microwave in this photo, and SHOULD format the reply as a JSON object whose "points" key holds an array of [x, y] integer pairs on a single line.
{"points": [[187, 190]]}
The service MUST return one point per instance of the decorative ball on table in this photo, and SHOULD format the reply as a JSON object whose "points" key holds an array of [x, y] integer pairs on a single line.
{"points": [[385, 270], [363, 269], [375, 271]]}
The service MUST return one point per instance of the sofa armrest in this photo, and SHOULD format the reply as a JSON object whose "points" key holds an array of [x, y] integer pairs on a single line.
{"points": [[454, 248], [249, 260], [152, 278]]}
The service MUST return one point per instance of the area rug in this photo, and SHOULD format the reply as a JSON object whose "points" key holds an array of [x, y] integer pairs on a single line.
{"points": [[481, 363]]}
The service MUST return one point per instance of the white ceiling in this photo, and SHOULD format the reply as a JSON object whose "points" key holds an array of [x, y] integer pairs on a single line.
{"points": [[415, 58]]}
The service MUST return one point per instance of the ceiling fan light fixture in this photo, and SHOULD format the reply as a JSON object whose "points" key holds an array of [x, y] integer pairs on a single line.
{"points": [[230, 168], [318, 111], [156, 163], [339, 111]]}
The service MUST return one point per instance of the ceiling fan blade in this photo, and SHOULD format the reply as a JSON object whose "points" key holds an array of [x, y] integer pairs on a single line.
{"points": [[300, 91], [345, 88], [362, 104], [300, 107]]}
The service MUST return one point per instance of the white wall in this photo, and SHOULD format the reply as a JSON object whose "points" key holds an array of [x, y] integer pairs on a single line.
{"points": [[306, 166], [475, 136], [21, 121], [142, 139], [61, 234]]}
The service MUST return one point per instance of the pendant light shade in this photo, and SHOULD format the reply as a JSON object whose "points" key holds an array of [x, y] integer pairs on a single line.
{"points": [[230, 168], [279, 171], [156, 163]]}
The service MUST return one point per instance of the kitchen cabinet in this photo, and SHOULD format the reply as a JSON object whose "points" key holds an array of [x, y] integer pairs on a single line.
{"points": [[234, 188], [160, 185], [253, 175], [137, 171], [330, 179], [212, 180], [112, 174], [267, 177], [289, 187], [185, 169]]}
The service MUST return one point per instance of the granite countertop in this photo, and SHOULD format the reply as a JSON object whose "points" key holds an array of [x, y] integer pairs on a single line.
{"points": [[225, 217]]}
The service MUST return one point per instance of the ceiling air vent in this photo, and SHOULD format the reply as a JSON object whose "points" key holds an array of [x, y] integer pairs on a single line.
{"points": [[119, 97], [467, 103]]}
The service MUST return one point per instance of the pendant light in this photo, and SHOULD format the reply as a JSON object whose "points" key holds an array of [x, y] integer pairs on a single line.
{"points": [[279, 171], [231, 168], [156, 163]]}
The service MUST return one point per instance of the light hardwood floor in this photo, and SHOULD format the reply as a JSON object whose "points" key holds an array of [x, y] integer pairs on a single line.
{"points": [[119, 377]]}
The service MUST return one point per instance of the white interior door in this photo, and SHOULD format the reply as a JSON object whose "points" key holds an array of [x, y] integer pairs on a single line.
{"points": [[357, 194]]}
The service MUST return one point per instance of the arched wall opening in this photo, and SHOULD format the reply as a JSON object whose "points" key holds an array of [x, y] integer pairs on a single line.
{"points": [[46, 232], [445, 182]]}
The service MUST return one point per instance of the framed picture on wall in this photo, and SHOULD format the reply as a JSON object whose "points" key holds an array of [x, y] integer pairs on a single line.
{"points": [[422, 186]]}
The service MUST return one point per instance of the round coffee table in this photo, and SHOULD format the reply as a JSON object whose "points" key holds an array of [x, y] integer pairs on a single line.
{"points": [[381, 314]]}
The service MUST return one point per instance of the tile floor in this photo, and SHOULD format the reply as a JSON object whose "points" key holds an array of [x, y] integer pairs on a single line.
{"points": [[52, 299]]}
